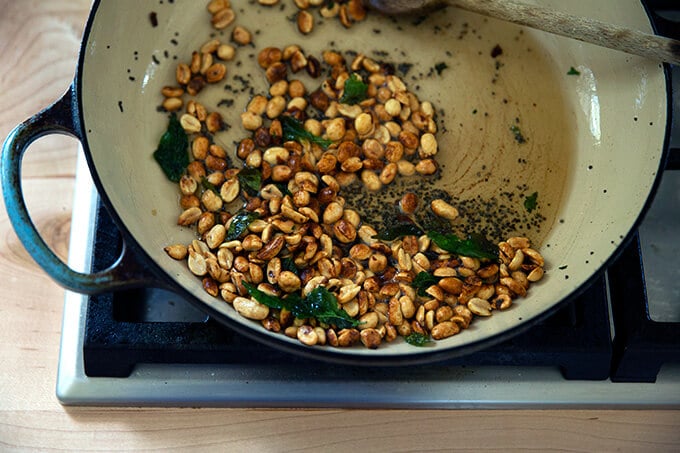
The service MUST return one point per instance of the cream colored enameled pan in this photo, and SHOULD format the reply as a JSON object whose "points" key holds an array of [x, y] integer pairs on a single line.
{"points": [[595, 140]]}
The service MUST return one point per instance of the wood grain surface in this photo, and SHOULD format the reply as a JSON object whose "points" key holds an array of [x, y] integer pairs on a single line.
{"points": [[39, 42]]}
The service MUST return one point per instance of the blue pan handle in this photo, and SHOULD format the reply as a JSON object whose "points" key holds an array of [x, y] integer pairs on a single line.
{"points": [[60, 118]]}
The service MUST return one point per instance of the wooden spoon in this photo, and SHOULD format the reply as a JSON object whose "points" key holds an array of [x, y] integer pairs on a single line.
{"points": [[542, 18]]}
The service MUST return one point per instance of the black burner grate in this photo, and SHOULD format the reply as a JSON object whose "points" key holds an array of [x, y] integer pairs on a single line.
{"points": [[641, 345]]}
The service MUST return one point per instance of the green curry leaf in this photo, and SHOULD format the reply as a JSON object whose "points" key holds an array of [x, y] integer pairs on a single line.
{"points": [[207, 185], [399, 231], [319, 303], [423, 281], [355, 90], [417, 339], [293, 130], [264, 298], [323, 305], [250, 180], [288, 264], [172, 153], [283, 188], [239, 224], [475, 246], [531, 202]]}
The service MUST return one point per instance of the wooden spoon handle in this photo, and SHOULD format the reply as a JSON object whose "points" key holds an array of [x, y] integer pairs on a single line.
{"points": [[581, 28]]}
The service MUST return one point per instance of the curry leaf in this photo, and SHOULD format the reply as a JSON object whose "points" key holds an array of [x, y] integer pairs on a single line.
{"points": [[531, 202], [283, 188], [475, 246], [399, 231], [207, 185], [293, 130], [323, 305], [172, 153], [340, 319], [417, 339], [250, 179], [264, 298], [319, 303], [239, 224], [355, 90], [423, 281], [288, 264]]}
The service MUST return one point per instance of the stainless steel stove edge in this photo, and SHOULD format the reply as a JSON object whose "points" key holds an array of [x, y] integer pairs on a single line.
{"points": [[274, 387], [269, 387]]}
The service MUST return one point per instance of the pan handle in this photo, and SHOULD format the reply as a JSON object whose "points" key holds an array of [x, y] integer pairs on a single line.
{"points": [[60, 118]]}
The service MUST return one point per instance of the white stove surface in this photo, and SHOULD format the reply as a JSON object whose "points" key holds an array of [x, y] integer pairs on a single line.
{"points": [[259, 386]]}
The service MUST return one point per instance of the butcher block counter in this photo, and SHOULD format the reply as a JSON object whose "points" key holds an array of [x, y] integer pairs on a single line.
{"points": [[39, 42]]}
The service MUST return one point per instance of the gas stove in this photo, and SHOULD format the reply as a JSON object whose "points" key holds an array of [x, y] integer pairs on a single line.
{"points": [[149, 347], [615, 346]]}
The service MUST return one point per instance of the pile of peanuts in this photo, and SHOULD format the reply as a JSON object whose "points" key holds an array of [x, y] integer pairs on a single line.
{"points": [[389, 133], [222, 13], [207, 66], [303, 218], [223, 16], [346, 11]]}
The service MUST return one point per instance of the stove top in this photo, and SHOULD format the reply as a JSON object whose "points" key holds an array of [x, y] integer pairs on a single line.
{"points": [[615, 346], [148, 347]]}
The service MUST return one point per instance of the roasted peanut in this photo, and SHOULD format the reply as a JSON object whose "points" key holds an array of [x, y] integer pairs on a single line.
{"points": [[305, 22], [444, 209], [223, 18], [251, 309]]}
